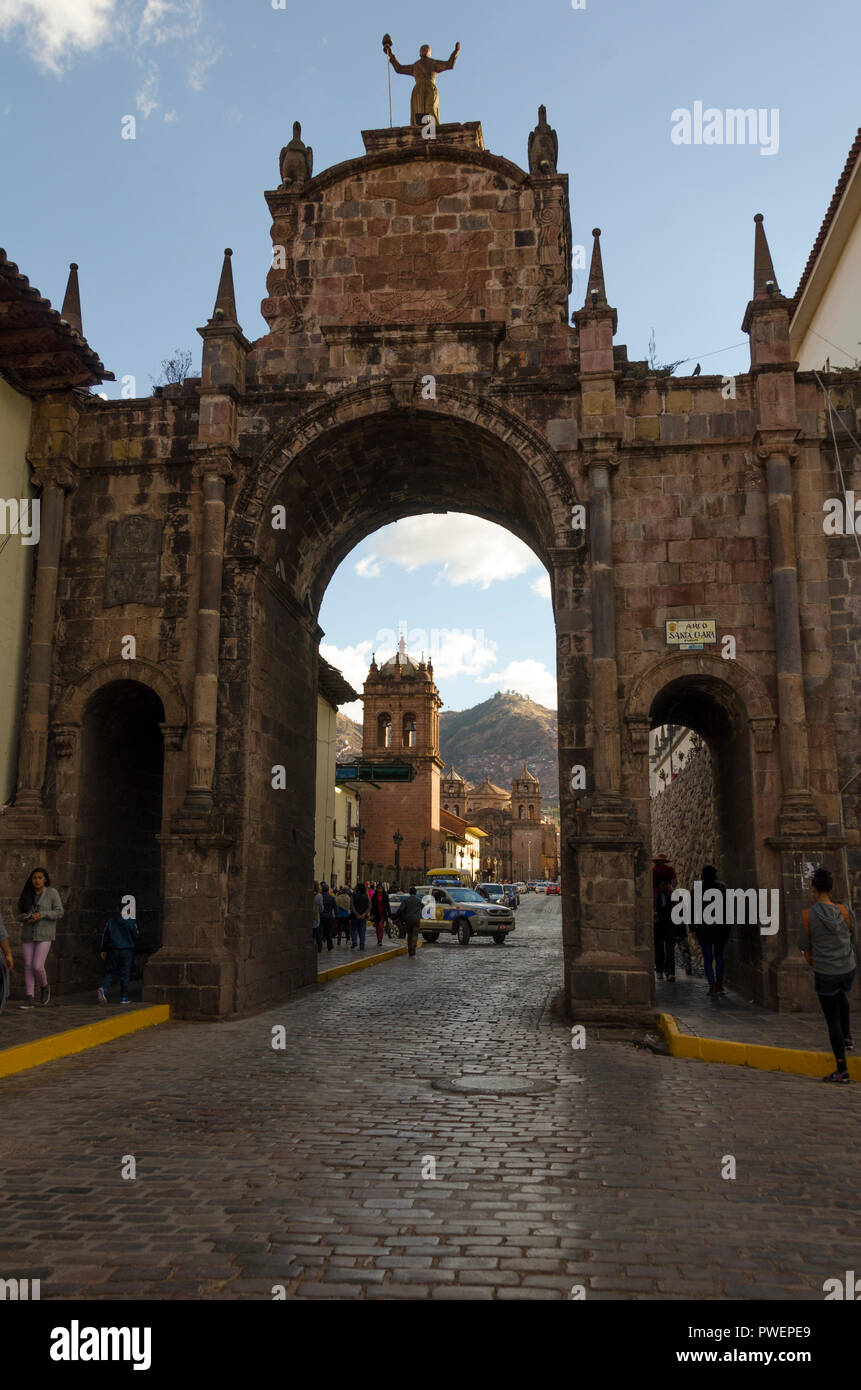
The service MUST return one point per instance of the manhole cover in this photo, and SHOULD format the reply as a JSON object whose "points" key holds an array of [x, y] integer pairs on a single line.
{"points": [[498, 1084]]}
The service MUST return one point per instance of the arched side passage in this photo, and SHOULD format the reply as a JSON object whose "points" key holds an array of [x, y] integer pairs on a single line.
{"points": [[728, 706]]}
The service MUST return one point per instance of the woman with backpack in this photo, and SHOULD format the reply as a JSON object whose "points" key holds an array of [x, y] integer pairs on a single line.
{"points": [[829, 945], [39, 909], [344, 902]]}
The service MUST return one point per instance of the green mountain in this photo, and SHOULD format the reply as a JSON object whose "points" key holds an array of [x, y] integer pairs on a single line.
{"points": [[492, 739], [495, 738]]}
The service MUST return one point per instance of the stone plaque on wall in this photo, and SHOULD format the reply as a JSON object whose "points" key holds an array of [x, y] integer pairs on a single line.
{"points": [[134, 561]]}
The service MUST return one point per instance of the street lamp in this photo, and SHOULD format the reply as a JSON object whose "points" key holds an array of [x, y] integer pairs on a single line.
{"points": [[426, 844], [398, 841]]}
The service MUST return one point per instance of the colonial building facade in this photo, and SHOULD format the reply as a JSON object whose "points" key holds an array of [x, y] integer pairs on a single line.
{"points": [[521, 842], [188, 539]]}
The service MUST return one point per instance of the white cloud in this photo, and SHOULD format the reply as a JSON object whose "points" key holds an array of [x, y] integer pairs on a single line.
{"points": [[527, 677], [163, 20], [541, 586], [353, 663], [147, 96], [170, 116], [206, 55], [56, 31], [368, 567], [466, 549]]}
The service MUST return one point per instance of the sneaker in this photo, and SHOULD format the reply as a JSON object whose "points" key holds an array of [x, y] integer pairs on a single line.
{"points": [[101, 996], [719, 989], [841, 1077], [659, 974], [125, 1001], [671, 979], [46, 995], [849, 1044], [29, 1003]]}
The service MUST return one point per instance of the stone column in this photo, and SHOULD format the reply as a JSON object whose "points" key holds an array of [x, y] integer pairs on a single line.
{"points": [[605, 703], [201, 763], [794, 751], [34, 725]]}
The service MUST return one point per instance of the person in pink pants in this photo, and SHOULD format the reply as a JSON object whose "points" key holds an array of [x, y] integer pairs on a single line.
{"points": [[39, 909]]}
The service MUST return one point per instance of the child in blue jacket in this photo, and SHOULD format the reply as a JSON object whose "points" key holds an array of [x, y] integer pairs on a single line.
{"points": [[117, 948]]}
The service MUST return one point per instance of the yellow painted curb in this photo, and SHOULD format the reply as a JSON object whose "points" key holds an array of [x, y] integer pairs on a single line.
{"points": [[761, 1057], [34, 1054], [363, 963]]}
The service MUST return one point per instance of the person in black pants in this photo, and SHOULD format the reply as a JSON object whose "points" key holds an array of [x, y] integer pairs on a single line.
{"points": [[663, 882], [829, 944]]}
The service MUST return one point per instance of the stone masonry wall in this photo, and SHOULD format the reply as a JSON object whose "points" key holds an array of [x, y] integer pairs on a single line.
{"points": [[685, 820]]}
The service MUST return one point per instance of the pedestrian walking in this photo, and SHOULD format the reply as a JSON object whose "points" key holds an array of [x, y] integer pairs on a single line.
{"points": [[359, 919], [380, 911], [663, 882], [713, 936], [7, 966], [39, 909], [117, 949], [344, 903], [410, 914], [327, 910], [830, 947]]}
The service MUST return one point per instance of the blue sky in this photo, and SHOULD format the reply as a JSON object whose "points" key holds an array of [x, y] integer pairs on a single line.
{"points": [[215, 87]]}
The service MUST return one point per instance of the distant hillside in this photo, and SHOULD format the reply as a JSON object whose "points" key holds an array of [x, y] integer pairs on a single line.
{"points": [[492, 739], [349, 737], [495, 738]]}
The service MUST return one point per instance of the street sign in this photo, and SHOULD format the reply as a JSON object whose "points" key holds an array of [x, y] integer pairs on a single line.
{"points": [[692, 634], [374, 772]]}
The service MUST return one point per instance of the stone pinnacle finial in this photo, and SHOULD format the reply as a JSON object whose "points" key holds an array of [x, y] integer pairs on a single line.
{"points": [[71, 310], [225, 302], [595, 291], [763, 267]]}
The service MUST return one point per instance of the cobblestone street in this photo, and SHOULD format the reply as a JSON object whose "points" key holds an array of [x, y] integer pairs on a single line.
{"points": [[304, 1167]]}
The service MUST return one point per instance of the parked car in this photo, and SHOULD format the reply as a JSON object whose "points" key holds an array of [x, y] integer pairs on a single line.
{"points": [[532, 886], [493, 892], [464, 913], [512, 897], [552, 888]]}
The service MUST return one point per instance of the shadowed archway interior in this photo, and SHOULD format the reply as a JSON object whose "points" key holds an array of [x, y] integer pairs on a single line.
{"points": [[122, 762], [713, 710]]}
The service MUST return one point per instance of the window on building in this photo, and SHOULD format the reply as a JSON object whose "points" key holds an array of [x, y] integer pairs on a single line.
{"points": [[520, 812], [532, 813], [384, 731], [410, 738], [456, 811]]}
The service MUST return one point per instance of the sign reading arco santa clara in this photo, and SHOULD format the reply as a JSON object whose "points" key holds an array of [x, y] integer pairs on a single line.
{"points": [[692, 634]]}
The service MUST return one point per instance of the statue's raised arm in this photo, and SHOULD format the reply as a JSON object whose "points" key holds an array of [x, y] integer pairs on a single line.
{"points": [[440, 66]]}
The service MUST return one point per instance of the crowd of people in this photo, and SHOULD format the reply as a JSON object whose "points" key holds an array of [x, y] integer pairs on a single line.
{"points": [[345, 913]]}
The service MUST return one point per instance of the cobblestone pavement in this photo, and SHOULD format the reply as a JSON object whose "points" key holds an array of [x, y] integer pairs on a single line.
{"points": [[303, 1167]]}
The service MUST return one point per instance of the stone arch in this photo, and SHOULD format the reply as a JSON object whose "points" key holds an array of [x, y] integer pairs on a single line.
{"points": [[744, 684], [322, 421], [70, 708]]}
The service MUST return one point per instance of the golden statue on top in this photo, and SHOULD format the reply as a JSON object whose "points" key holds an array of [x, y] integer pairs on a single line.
{"points": [[425, 98]]}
